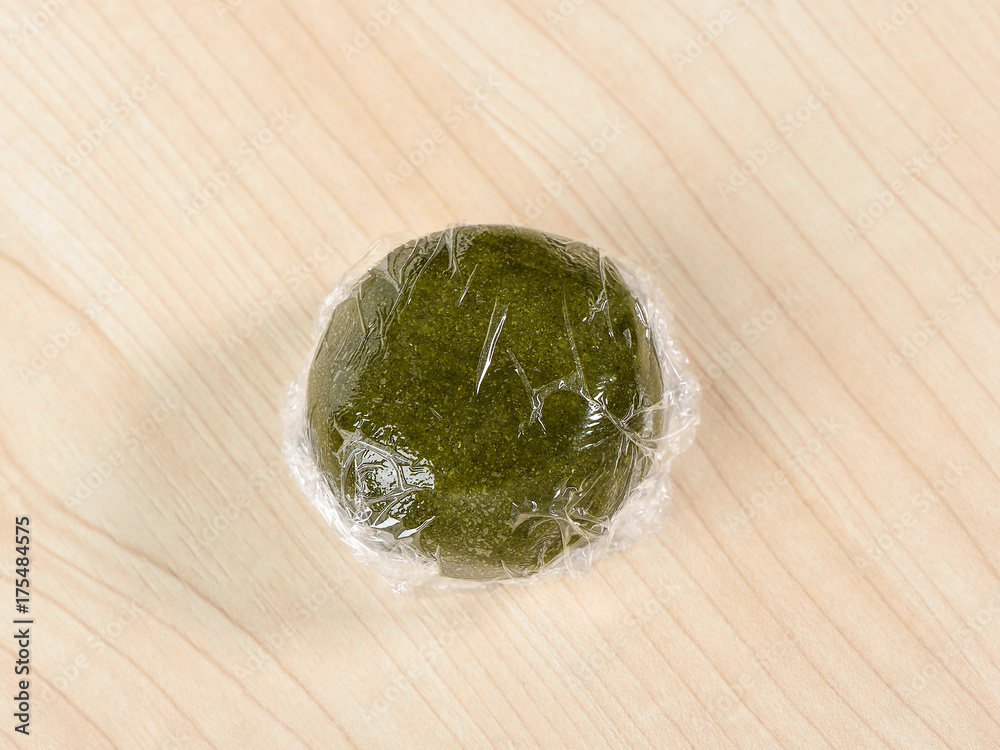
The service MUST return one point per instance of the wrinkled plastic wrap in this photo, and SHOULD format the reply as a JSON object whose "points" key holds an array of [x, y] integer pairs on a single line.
{"points": [[489, 404]]}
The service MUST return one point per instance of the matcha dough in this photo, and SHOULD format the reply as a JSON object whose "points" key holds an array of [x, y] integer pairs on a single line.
{"points": [[486, 395]]}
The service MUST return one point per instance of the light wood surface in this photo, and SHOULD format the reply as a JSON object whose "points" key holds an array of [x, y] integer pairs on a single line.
{"points": [[828, 574]]}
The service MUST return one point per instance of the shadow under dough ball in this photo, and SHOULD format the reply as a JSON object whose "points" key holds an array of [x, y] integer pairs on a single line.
{"points": [[487, 396]]}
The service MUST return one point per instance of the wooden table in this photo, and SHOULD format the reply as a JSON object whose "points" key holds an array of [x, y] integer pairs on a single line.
{"points": [[816, 186]]}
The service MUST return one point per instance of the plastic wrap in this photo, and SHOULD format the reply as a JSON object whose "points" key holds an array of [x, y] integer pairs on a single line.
{"points": [[489, 404]]}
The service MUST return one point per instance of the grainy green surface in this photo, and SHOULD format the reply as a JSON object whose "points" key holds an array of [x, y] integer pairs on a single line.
{"points": [[485, 396]]}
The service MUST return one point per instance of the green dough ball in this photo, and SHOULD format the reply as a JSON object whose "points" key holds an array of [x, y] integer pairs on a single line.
{"points": [[487, 395]]}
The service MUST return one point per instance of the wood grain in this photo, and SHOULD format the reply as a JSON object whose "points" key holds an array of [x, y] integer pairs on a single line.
{"points": [[816, 186]]}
